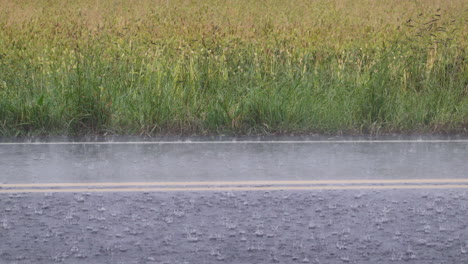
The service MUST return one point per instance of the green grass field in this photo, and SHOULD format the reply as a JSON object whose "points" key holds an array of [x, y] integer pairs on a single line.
{"points": [[152, 67]]}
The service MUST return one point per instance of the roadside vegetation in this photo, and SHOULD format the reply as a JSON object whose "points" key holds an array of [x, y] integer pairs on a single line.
{"points": [[152, 67]]}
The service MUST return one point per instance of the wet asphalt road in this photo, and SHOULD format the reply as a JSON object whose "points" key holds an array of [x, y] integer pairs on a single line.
{"points": [[232, 161], [341, 226], [257, 226]]}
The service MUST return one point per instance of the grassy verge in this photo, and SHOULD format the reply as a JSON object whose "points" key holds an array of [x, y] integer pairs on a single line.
{"points": [[239, 66]]}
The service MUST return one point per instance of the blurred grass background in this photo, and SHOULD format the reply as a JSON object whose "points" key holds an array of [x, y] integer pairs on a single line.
{"points": [[152, 67]]}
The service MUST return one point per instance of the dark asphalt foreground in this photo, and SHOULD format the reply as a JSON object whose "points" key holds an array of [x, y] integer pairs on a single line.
{"points": [[340, 226]]}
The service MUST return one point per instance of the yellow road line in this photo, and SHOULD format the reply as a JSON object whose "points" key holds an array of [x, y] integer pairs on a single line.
{"points": [[266, 188], [226, 183]]}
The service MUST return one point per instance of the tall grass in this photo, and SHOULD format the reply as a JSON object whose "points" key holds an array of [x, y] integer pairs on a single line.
{"points": [[238, 66]]}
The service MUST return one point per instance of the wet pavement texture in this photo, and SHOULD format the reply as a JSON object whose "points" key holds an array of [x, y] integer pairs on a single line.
{"points": [[232, 162], [339, 226], [315, 226]]}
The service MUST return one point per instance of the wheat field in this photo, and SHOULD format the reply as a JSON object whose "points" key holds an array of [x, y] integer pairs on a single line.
{"points": [[152, 67]]}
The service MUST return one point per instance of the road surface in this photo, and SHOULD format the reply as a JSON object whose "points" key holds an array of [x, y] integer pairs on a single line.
{"points": [[225, 202]]}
